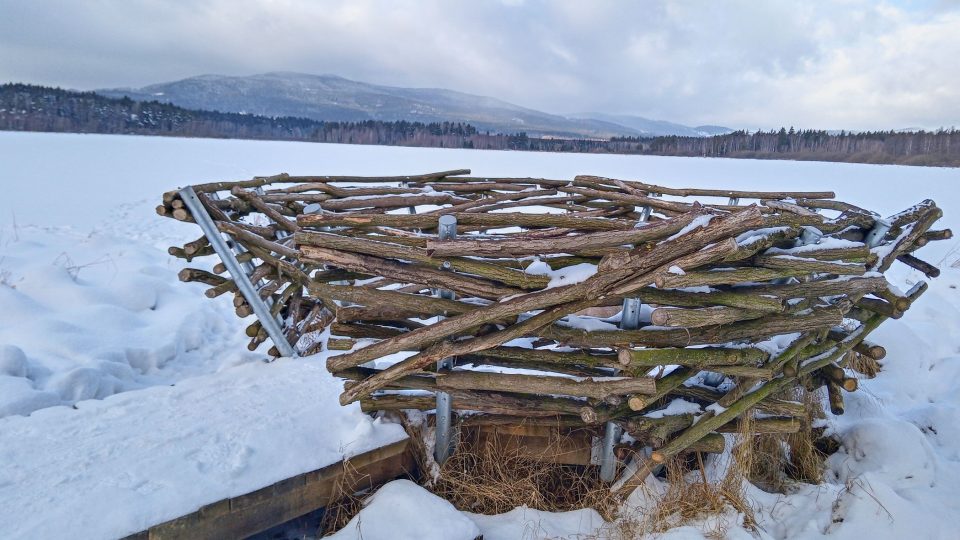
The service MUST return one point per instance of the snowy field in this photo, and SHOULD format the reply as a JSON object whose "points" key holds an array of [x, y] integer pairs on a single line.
{"points": [[127, 398]]}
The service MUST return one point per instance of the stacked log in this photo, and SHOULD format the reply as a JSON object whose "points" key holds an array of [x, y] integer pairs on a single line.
{"points": [[743, 300]]}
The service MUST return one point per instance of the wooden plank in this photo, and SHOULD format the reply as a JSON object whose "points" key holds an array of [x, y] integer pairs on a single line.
{"points": [[257, 511], [539, 443]]}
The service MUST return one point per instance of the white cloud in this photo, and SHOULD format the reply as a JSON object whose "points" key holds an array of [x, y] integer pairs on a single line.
{"points": [[836, 64]]}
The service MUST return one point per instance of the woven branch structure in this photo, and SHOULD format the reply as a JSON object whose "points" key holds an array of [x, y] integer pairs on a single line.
{"points": [[735, 297]]}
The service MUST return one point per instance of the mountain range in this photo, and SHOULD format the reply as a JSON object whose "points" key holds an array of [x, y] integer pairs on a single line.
{"points": [[333, 98]]}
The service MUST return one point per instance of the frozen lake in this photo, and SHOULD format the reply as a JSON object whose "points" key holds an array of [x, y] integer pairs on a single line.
{"points": [[145, 404], [54, 175]]}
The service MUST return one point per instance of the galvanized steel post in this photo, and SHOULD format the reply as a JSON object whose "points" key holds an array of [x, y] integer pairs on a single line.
{"points": [[443, 439], [629, 320]]}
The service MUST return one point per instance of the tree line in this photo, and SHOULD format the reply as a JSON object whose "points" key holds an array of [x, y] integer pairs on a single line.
{"points": [[37, 108]]}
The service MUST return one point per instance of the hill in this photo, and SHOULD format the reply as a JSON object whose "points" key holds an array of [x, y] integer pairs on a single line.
{"points": [[333, 98]]}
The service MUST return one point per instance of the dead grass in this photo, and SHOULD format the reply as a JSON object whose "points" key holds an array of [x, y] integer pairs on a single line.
{"points": [[486, 476], [711, 506], [774, 462], [864, 365], [806, 458], [344, 504]]}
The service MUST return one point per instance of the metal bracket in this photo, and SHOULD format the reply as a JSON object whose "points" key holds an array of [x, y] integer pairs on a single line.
{"points": [[240, 277], [810, 235], [645, 211], [444, 414], [877, 233]]}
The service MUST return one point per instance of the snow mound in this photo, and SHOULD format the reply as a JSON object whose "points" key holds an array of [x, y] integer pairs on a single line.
{"points": [[86, 316], [402, 510], [523, 522]]}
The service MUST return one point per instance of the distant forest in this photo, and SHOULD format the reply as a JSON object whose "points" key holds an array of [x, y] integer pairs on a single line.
{"points": [[38, 108]]}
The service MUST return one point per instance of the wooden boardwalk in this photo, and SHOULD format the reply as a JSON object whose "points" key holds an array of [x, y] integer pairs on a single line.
{"points": [[249, 514]]}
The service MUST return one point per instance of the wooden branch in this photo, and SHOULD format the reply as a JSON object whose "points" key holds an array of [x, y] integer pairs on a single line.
{"points": [[725, 277], [699, 357], [569, 244], [200, 276], [871, 350], [264, 208], [589, 290], [933, 236], [835, 374], [804, 265], [880, 306], [411, 273], [692, 192], [549, 357], [756, 329], [485, 203], [448, 349], [928, 269], [390, 201], [821, 288], [388, 250], [485, 402], [692, 318], [741, 299], [909, 236], [835, 398], [499, 220], [789, 207], [657, 431], [536, 384]]}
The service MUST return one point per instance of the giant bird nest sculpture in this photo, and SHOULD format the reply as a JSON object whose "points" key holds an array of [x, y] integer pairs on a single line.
{"points": [[569, 304]]}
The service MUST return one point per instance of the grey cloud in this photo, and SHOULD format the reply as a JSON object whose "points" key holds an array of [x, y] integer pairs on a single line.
{"points": [[840, 63]]}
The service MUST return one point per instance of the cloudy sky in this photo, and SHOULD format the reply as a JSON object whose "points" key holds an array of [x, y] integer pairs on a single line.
{"points": [[852, 64]]}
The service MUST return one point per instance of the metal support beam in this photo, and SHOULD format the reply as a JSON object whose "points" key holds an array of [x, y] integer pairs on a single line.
{"points": [[629, 320], [219, 244], [443, 441]]}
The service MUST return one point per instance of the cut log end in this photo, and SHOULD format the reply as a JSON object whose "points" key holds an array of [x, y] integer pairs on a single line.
{"points": [[637, 403]]}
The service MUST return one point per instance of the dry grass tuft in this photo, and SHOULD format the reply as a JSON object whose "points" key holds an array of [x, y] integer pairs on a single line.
{"points": [[490, 476], [343, 504], [864, 365], [805, 463], [690, 499], [775, 461]]}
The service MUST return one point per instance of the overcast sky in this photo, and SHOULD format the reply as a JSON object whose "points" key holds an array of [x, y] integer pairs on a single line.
{"points": [[852, 64]]}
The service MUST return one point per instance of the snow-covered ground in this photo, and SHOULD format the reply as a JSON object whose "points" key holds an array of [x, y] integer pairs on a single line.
{"points": [[144, 403]]}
